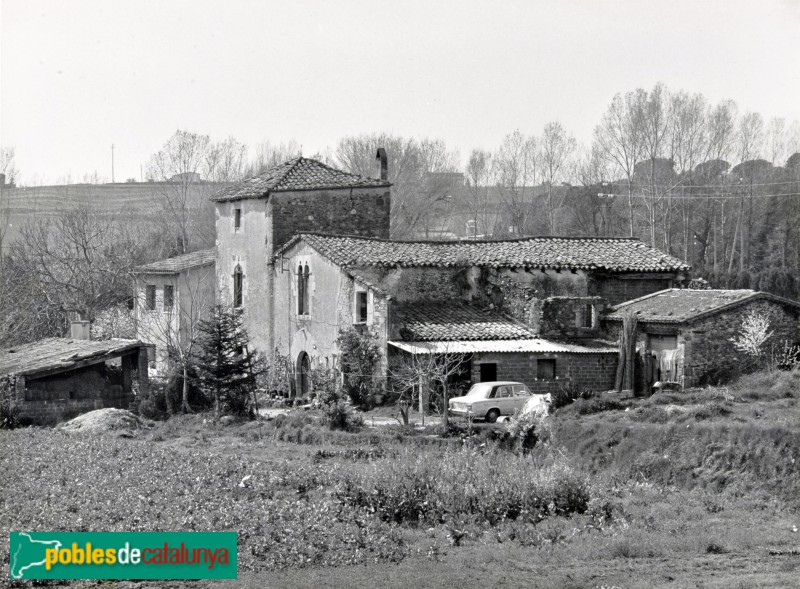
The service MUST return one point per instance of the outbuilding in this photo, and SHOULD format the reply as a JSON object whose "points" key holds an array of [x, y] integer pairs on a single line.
{"points": [[686, 336], [56, 379]]}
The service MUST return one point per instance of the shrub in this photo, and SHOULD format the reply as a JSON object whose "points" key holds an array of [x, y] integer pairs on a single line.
{"points": [[487, 487], [569, 393], [523, 433], [337, 412], [789, 357], [597, 405], [359, 357]]}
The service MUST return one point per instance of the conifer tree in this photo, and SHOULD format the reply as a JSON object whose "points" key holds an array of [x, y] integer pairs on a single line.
{"points": [[226, 366]]}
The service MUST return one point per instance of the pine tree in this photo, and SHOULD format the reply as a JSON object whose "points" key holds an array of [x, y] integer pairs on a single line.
{"points": [[226, 366]]}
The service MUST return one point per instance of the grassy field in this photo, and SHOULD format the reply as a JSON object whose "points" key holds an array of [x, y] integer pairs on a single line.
{"points": [[700, 489]]}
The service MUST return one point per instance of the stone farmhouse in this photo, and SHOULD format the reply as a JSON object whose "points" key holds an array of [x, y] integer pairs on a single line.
{"points": [[303, 252], [684, 335], [524, 309]]}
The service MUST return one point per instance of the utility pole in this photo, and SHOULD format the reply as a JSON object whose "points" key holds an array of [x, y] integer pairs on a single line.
{"points": [[112, 163]]}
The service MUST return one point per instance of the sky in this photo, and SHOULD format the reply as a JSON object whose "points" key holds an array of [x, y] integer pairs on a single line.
{"points": [[79, 75]]}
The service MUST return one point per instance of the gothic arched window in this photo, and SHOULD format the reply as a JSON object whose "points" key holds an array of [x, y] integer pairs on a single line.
{"points": [[303, 291], [238, 282]]}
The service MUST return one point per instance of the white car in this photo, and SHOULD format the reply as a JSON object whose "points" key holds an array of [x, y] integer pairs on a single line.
{"points": [[490, 400]]}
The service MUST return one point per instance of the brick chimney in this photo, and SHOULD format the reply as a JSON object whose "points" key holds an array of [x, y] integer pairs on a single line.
{"points": [[80, 329], [382, 163]]}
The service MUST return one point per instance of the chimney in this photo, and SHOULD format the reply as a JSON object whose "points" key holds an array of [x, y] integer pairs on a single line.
{"points": [[2, 179], [80, 329], [384, 166]]}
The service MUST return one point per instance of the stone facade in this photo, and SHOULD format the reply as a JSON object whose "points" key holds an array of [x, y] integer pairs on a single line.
{"points": [[332, 307], [617, 288], [266, 224]]}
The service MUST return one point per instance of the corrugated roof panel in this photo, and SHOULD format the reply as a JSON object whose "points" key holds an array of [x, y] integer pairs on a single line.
{"points": [[525, 346]]}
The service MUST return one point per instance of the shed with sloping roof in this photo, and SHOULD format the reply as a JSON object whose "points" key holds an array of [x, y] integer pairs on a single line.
{"points": [[688, 335], [55, 379]]}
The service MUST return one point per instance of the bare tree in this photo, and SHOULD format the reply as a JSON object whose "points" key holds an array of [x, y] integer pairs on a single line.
{"points": [[269, 155], [415, 376], [186, 171], [557, 147], [776, 141], [82, 260], [421, 173], [619, 136], [516, 170], [481, 213]]}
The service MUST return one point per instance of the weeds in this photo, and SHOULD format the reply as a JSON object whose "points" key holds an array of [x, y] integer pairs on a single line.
{"points": [[490, 486]]}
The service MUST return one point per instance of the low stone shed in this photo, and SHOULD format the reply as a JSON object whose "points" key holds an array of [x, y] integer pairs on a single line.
{"points": [[57, 378], [685, 334]]}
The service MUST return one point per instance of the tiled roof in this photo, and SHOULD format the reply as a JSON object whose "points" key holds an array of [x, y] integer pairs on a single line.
{"points": [[59, 353], [676, 305], [578, 253], [301, 173], [421, 321], [519, 346], [178, 263]]}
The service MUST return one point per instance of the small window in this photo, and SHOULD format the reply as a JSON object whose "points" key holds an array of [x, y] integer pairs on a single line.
{"points": [[488, 372], [361, 307], [504, 392], [546, 369], [169, 297], [238, 282], [586, 318], [237, 219], [151, 297]]}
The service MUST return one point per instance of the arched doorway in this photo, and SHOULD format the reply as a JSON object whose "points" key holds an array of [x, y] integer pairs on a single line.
{"points": [[303, 374]]}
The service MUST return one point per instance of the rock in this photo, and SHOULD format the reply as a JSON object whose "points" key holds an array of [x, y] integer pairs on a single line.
{"points": [[226, 420], [119, 421]]}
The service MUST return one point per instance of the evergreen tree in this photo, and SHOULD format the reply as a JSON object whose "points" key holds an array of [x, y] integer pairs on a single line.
{"points": [[226, 366]]}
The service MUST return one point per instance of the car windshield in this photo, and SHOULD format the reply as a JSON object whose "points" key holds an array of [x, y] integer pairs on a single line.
{"points": [[480, 390]]}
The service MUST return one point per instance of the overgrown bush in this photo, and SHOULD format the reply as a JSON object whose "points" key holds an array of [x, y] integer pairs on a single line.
{"points": [[569, 393], [789, 357], [523, 432], [489, 487], [337, 412], [597, 405], [360, 354]]}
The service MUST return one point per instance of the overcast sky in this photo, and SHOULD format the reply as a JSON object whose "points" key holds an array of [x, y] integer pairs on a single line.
{"points": [[80, 75]]}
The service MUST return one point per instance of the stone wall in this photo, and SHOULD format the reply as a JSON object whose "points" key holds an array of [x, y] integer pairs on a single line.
{"points": [[420, 283], [359, 211], [569, 317], [594, 371], [618, 288]]}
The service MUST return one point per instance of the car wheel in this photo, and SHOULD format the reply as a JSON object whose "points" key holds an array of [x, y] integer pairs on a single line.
{"points": [[492, 416]]}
